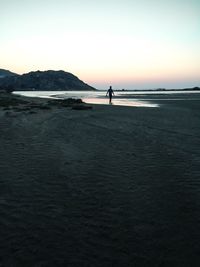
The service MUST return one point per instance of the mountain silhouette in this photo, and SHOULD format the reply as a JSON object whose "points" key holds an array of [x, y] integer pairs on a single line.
{"points": [[6, 73], [42, 80]]}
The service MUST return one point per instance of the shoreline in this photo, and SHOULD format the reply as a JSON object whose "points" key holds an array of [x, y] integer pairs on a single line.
{"points": [[120, 99]]}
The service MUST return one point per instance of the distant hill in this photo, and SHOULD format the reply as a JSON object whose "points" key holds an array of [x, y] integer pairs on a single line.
{"points": [[6, 73], [44, 80]]}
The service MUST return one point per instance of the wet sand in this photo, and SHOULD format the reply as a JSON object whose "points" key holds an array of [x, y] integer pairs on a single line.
{"points": [[110, 186]]}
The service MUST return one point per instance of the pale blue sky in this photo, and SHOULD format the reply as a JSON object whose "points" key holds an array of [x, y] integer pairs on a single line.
{"points": [[128, 43]]}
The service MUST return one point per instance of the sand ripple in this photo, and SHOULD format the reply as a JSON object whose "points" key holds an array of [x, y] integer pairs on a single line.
{"points": [[109, 187]]}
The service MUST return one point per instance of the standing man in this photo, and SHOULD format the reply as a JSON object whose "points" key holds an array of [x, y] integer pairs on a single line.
{"points": [[110, 93]]}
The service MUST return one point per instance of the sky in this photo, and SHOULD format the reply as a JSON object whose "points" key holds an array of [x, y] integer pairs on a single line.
{"points": [[130, 44]]}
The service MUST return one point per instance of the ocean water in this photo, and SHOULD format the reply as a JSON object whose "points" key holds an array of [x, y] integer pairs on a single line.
{"points": [[121, 98]]}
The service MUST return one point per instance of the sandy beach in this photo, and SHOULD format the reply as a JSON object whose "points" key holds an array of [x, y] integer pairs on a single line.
{"points": [[108, 186]]}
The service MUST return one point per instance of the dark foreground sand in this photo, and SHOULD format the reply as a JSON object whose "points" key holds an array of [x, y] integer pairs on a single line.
{"points": [[111, 186]]}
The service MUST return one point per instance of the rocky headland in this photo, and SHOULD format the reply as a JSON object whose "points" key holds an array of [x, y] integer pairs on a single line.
{"points": [[42, 80]]}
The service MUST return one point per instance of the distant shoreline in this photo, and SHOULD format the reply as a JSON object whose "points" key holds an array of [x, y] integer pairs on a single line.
{"points": [[119, 90], [156, 90]]}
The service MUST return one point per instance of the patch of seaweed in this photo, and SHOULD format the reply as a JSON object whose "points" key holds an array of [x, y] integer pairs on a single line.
{"points": [[73, 103], [8, 100], [16, 103], [69, 102]]}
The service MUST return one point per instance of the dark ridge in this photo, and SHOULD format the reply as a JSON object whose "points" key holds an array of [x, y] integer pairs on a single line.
{"points": [[44, 81], [6, 73]]}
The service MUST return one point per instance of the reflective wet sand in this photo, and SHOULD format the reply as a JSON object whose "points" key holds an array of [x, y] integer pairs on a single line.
{"points": [[120, 102]]}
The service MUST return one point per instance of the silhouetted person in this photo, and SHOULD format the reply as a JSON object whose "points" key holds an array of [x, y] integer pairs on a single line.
{"points": [[110, 93]]}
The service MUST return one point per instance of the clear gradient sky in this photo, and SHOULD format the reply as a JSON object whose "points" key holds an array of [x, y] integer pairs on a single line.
{"points": [[125, 43]]}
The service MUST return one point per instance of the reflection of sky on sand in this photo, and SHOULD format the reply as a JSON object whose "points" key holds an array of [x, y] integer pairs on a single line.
{"points": [[91, 97], [120, 102], [98, 97]]}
